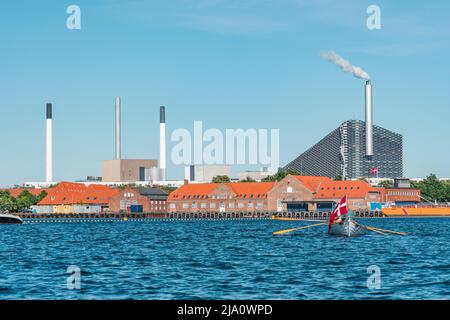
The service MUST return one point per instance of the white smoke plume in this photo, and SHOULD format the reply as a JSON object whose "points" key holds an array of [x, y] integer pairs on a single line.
{"points": [[345, 65]]}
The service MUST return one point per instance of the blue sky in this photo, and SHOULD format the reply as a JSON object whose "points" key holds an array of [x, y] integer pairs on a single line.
{"points": [[229, 63]]}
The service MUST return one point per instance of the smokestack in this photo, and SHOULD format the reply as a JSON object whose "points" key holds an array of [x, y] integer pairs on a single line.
{"points": [[162, 142], [49, 146], [118, 151], [369, 123]]}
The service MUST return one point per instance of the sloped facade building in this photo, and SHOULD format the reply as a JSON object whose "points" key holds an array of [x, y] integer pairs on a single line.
{"points": [[342, 153]]}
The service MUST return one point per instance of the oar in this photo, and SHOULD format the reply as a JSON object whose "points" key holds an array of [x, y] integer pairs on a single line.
{"points": [[293, 219], [374, 230], [294, 229], [386, 230]]}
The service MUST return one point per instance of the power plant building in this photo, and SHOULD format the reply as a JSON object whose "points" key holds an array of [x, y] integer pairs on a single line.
{"points": [[126, 170], [343, 153]]}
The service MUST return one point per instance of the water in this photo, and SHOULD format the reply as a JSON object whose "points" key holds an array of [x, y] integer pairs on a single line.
{"points": [[222, 260]]}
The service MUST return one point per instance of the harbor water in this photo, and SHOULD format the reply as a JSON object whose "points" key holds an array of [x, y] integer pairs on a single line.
{"points": [[238, 259]]}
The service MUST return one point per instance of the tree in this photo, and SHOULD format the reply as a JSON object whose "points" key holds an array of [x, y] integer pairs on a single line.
{"points": [[432, 188], [221, 179], [41, 196], [25, 200], [7, 203], [247, 179], [386, 184], [280, 175]]}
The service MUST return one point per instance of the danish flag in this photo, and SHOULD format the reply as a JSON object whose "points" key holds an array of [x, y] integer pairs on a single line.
{"points": [[341, 209]]}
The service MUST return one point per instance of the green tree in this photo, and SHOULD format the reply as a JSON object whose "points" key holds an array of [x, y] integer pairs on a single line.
{"points": [[25, 200], [280, 175], [7, 203], [221, 179], [386, 184], [432, 188], [247, 179], [41, 196]]}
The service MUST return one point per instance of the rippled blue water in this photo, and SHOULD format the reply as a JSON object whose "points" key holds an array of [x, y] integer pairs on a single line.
{"points": [[222, 260]]}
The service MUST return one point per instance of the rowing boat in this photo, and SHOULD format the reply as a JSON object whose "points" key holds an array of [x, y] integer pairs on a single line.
{"points": [[348, 228]]}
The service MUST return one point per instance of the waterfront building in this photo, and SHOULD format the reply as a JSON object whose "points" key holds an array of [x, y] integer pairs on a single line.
{"points": [[142, 199], [220, 197], [343, 153], [293, 193], [68, 197]]}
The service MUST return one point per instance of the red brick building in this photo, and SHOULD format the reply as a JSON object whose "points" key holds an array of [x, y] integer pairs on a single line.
{"points": [[293, 193], [147, 200]]}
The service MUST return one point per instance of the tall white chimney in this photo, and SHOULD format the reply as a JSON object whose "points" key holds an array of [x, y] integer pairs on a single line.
{"points": [[369, 122], [118, 151], [49, 146], [162, 142]]}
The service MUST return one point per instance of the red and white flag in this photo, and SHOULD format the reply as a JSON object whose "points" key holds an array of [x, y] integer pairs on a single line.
{"points": [[374, 171], [339, 210]]}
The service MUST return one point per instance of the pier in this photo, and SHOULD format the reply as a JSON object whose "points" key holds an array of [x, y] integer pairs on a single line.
{"points": [[240, 215]]}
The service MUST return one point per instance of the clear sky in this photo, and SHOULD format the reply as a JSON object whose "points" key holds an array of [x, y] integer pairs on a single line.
{"points": [[229, 63]]}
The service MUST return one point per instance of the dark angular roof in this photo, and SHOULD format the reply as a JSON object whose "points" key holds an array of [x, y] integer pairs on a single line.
{"points": [[152, 192]]}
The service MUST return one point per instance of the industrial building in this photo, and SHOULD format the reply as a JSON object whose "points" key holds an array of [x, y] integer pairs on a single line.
{"points": [[255, 175], [342, 153], [356, 149], [133, 170], [206, 173], [126, 170]]}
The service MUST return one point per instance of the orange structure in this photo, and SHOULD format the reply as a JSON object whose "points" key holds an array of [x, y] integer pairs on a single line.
{"points": [[416, 212]]}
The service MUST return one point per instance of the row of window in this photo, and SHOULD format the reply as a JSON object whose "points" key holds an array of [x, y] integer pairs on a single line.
{"points": [[213, 205], [403, 193], [259, 195]]}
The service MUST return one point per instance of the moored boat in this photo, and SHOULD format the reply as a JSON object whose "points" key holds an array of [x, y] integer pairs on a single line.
{"points": [[6, 218], [348, 228]]}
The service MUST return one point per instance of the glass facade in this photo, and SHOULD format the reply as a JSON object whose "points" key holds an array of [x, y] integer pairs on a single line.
{"points": [[342, 153]]}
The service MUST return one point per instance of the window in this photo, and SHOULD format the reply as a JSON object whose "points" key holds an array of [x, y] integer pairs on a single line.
{"points": [[212, 205], [172, 206], [203, 205], [185, 205], [231, 205], [289, 189], [240, 205]]}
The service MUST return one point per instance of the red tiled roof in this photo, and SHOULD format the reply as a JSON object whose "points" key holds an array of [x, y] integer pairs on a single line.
{"points": [[338, 189], [200, 190], [67, 193], [313, 183], [204, 190], [15, 192], [251, 189]]}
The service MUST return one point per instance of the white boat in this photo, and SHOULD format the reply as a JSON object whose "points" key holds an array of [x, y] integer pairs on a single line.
{"points": [[6, 218], [348, 228]]}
